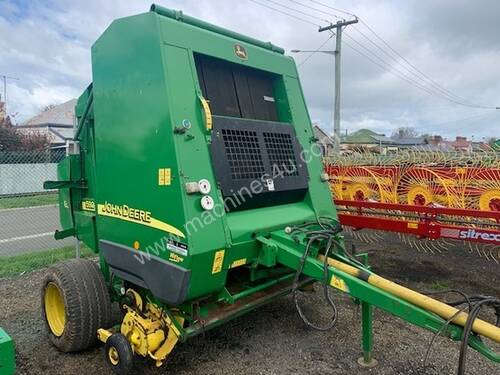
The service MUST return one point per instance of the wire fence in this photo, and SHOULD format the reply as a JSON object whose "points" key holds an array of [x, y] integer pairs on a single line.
{"points": [[29, 215]]}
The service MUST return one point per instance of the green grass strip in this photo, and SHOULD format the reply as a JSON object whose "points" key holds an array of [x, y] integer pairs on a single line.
{"points": [[28, 201], [19, 264]]}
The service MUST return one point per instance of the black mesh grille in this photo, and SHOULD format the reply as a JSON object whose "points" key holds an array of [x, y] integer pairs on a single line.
{"points": [[279, 148], [257, 159], [243, 154]]}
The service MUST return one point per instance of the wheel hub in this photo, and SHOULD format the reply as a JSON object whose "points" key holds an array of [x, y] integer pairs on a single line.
{"points": [[54, 309]]}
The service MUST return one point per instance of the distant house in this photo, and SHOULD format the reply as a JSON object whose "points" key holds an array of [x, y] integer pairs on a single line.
{"points": [[363, 138], [57, 122], [460, 143], [324, 140], [368, 140]]}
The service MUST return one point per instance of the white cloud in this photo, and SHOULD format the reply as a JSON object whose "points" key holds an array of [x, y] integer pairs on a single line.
{"points": [[48, 48]]}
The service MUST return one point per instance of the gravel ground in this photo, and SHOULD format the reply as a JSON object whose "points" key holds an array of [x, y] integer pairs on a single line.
{"points": [[273, 339]]}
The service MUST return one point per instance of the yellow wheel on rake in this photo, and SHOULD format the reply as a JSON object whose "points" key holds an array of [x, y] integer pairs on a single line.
{"points": [[361, 183], [419, 196], [490, 200], [359, 192], [423, 186]]}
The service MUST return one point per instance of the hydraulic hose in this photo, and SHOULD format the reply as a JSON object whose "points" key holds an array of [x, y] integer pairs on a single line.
{"points": [[439, 308]]}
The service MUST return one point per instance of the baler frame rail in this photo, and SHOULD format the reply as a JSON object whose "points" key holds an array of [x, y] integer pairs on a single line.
{"points": [[373, 291]]}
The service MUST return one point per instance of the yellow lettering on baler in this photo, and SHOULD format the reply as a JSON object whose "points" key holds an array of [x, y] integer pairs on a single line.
{"points": [[135, 215]]}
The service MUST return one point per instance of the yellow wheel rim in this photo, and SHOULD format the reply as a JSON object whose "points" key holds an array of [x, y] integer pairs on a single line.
{"points": [[419, 196], [359, 191], [487, 198], [54, 309], [113, 356]]}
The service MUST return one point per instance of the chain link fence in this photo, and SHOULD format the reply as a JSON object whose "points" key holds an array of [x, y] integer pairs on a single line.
{"points": [[29, 215]]}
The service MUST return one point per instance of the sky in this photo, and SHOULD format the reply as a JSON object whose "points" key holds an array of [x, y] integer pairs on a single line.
{"points": [[453, 47]]}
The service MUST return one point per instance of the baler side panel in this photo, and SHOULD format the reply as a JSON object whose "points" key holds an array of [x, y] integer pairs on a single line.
{"points": [[205, 229], [319, 192], [134, 138]]}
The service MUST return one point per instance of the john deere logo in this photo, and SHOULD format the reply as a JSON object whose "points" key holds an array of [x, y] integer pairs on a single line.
{"points": [[240, 51]]}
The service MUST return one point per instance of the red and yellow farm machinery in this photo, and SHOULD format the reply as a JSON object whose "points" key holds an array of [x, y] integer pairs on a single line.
{"points": [[427, 195]]}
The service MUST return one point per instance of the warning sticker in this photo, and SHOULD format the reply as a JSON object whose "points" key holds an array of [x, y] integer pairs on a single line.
{"points": [[218, 261], [412, 225], [239, 262], [175, 258], [339, 284], [177, 247], [164, 176]]}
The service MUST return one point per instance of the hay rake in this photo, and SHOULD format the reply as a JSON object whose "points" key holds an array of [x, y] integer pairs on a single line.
{"points": [[430, 199]]}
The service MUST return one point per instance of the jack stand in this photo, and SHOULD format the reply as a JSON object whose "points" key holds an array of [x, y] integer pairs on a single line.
{"points": [[367, 327]]}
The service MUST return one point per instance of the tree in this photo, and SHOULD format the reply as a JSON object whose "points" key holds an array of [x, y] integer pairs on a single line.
{"points": [[494, 143], [11, 139], [48, 107], [404, 132]]}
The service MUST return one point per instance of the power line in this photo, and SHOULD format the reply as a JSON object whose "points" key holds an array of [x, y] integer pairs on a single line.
{"points": [[332, 8], [410, 71], [410, 79], [388, 70], [434, 83], [415, 72], [421, 75], [402, 76], [285, 13], [315, 51], [315, 9], [425, 83], [298, 11]]}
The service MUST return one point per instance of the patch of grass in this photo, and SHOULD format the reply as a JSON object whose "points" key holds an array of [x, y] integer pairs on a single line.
{"points": [[440, 285], [28, 201], [18, 264]]}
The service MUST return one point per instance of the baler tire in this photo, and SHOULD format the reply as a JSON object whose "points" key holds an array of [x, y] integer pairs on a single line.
{"points": [[119, 354], [86, 304]]}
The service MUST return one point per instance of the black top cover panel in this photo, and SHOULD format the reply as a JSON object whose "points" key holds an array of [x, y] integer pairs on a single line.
{"points": [[235, 90]]}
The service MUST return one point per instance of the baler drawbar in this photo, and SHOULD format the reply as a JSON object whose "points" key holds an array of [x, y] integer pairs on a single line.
{"points": [[198, 182]]}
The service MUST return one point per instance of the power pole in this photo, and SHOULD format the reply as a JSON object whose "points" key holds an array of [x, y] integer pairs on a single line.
{"points": [[5, 78], [338, 44]]}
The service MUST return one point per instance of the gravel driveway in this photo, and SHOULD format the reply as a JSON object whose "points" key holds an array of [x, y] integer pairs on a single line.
{"points": [[273, 339]]}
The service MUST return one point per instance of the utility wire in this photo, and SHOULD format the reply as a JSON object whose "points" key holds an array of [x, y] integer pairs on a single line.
{"points": [[415, 71], [315, 51], [332, 8], [410, 79], [388, 70], [285, 13], [298, 10], [422, 74], [315, 9], [410, 71], [436, 90]]}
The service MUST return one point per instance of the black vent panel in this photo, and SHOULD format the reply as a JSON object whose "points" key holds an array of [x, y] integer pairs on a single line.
{"points": [[279, 147], [255, 157], [243, 154]]}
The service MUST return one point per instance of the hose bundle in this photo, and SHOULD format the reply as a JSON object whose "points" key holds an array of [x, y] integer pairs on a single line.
{"points": [[321, 231]]}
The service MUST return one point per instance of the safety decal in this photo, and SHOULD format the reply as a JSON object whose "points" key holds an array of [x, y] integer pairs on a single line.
{"points": [[177, 247], [339, 284], [218, 261], [238, 263], [164, 176]]}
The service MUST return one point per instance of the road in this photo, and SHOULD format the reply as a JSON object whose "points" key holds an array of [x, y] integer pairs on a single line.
{"points": [[29, 229]]}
